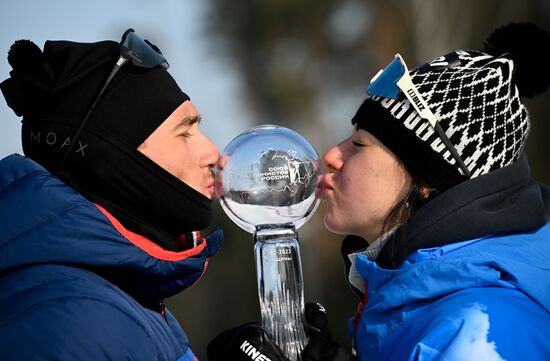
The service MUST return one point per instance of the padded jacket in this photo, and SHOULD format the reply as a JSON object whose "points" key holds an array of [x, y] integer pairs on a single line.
{"points": [[471, 281], [76, 285]]}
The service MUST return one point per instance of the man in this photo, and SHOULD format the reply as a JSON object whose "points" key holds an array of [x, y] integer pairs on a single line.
{"points": [[99, 221]]}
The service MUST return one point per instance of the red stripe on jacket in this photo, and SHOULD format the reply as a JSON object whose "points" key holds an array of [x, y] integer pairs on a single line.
{"points": [[149, 246]]}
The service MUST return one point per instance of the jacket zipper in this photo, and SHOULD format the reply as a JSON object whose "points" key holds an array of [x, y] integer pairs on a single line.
{"points": [[357, 319], [163, 310]]}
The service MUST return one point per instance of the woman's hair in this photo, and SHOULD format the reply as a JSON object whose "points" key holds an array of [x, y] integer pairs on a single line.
{"points": [[413, 200]]}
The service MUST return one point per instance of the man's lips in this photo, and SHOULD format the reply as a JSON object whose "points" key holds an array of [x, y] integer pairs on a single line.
{"points": [[210, 188]]}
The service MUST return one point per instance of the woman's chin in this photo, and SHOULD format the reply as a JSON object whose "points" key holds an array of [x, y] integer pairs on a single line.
{"points": [[333, 225]]}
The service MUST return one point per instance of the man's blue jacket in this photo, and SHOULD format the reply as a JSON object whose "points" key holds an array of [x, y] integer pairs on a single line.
{"points": [[484, 298], [76, 285]]}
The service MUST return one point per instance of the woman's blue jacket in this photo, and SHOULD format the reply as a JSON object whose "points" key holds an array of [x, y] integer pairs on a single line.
{"points": [[483, 298]]}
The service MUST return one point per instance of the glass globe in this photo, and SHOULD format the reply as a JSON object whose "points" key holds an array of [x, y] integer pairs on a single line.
{"points": [[268, 176]]}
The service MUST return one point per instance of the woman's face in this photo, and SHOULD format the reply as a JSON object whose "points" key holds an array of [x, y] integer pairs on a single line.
{"points": [[364, 180]]}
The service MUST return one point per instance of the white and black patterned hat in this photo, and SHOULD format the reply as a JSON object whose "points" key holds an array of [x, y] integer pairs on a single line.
{"points": [[475, 97]]}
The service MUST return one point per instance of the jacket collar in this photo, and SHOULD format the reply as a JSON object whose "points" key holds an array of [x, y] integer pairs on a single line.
{"points": [[47, 222], [507, 200]]}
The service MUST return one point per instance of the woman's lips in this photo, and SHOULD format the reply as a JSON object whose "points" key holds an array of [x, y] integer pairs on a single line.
{"points": [[324, 186]]}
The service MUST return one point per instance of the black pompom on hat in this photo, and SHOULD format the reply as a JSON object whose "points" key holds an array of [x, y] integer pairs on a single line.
{"points": [[529, 48], [476, 99]]}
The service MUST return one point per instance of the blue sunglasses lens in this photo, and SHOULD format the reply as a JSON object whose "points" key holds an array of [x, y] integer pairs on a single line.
{"points": [[134, 48], [385, 85]]}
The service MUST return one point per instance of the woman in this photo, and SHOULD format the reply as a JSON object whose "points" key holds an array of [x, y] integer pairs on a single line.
{"points": [[450, 251], [449, 246]]}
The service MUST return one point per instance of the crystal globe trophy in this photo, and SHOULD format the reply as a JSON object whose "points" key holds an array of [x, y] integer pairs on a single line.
{"points": [[266, 182]]}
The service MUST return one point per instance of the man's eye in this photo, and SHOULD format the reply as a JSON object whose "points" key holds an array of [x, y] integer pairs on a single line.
{"points": [[186, 135], [357, 144]]}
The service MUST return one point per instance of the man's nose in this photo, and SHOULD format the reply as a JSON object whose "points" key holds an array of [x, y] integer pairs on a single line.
{"points": [[211, 153]]}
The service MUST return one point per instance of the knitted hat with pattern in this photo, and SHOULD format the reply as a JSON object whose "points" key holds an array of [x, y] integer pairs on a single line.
{"points": [[475, 97]]}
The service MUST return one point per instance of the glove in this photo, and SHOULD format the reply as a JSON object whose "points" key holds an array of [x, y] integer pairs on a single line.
{"points": [[251, 341], [247, 342], [321, 346]]}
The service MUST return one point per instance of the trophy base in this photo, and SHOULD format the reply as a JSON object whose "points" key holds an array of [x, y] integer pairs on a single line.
{"points": [[280, 287]]}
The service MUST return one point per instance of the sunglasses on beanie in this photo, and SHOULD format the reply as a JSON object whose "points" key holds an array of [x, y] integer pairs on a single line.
{"points": [[395, 78], [132, 48]]}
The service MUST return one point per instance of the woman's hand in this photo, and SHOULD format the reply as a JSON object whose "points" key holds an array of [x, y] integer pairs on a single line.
{"points": [[321, 346]]}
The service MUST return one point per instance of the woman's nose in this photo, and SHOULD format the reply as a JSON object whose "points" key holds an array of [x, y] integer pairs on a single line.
{"points": [[333, 159]]}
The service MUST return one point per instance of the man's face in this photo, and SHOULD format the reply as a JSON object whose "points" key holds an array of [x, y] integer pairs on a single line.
{"points": [[179, 147]]}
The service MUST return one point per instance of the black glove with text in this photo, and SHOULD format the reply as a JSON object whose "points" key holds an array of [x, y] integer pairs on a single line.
{"points": [[246, 342], [251, 341]]}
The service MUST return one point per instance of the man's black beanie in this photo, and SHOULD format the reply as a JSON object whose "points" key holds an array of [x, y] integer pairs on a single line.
{"points": [[57, 87], [53, 89]]}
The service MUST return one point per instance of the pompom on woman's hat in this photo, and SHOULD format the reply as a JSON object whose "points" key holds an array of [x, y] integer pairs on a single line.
{"points": [[475, 96]]}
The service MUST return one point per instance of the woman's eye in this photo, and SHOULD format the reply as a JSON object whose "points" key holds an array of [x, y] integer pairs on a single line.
{"points": [[357, 144], [186, 135]]}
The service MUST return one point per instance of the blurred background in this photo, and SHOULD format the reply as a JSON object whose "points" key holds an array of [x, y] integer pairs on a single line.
{"points": [[300, 64]]}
